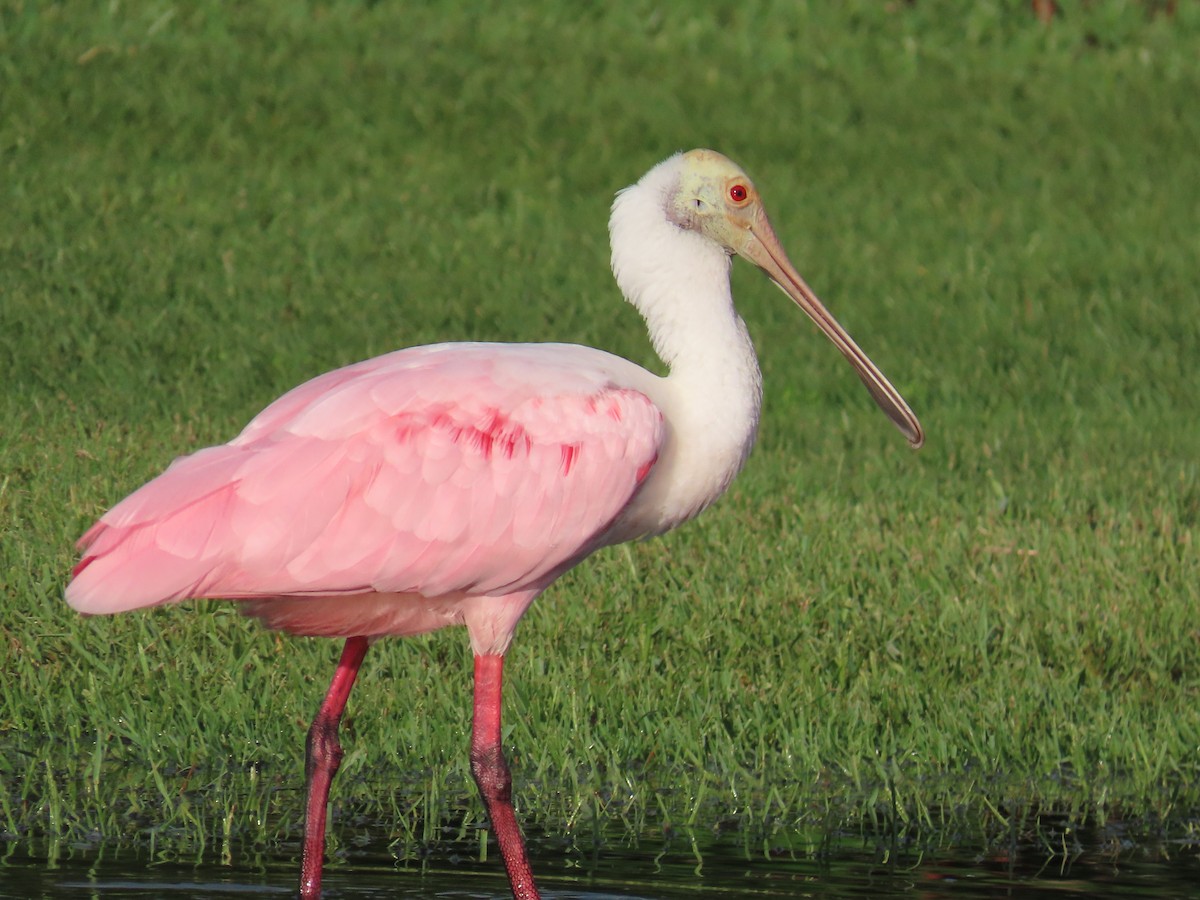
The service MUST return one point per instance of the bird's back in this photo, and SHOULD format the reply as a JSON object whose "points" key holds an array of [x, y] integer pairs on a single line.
{"points": [[443, 470]]}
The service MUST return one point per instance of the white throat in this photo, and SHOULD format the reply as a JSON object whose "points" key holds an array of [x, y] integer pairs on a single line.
{"points": [[679, 281]]}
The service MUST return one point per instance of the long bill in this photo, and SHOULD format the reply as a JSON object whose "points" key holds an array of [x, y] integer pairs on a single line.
{"points": [[763, 249]]}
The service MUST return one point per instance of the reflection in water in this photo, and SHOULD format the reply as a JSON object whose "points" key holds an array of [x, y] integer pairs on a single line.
{"points": [[849, 869]]}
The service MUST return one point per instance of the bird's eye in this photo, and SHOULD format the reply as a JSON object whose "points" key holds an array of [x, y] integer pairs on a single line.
{"points": [[738, 193]]}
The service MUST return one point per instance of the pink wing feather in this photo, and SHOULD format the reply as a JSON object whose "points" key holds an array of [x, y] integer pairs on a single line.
{"points": [[450, 469]]}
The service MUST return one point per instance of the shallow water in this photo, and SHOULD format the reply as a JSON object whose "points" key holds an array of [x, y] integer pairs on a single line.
{"points": [[631, 876]]}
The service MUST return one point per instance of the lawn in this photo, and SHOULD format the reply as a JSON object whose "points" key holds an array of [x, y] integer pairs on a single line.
{"points": [[994, 636]]}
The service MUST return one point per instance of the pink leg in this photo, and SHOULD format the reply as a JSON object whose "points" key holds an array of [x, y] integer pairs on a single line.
{"points": [[321, 764], [492, 775]]}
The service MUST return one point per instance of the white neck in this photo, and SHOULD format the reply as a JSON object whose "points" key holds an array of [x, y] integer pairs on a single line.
{"points": [[679, 281]]}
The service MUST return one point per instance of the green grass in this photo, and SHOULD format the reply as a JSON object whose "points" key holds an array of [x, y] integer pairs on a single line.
{"points": [[199, 210]]}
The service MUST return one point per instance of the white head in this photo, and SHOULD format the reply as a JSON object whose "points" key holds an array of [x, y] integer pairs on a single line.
{"points": [[706, 194]]}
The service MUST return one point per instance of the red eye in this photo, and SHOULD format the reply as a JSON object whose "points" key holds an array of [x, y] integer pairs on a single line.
{"points": [[738, 193]]}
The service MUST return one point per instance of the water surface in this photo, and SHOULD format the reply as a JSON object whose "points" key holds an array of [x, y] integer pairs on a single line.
{"points": [[633, 875]]}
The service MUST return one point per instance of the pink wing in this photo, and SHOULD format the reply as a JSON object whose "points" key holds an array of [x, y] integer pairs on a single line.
{"points": [[455, 468]]}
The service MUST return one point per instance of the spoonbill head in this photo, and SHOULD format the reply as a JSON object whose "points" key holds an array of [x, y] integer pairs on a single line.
{"points": [[716, 199]]}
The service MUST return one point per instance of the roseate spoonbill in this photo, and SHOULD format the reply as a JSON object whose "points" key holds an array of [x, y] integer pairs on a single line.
{"points": [[452, 484]]}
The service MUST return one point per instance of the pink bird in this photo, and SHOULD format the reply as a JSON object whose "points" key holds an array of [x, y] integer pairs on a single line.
{"points": [[452, 484]]}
